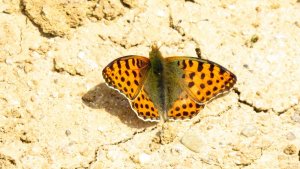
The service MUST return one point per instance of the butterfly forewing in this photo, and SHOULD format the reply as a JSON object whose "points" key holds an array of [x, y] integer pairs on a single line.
{"points": [[202, 79], [127, 74]]}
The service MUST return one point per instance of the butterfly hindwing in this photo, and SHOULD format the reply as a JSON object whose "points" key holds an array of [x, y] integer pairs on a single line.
{"points": [[144, 107], [126, 74], [184, 108], [202, 79]]}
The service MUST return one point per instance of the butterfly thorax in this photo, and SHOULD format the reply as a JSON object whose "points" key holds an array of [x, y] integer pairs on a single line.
{"points": [[156, 61]]}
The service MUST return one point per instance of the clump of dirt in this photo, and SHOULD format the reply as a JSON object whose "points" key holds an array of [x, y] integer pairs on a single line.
{"points": [[56, 18], [108, 10]]}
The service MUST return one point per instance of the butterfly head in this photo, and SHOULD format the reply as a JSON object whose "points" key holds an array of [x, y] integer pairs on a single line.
{"points": [[156, 59], [155, 51]]}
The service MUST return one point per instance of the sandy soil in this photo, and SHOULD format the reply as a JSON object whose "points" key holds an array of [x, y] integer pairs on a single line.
{"points": [[56, 111]]}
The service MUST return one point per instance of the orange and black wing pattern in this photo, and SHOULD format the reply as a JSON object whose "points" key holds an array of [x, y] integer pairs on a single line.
{"points": [[127, 74]]}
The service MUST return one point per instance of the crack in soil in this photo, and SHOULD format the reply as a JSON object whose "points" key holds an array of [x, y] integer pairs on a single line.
{"points": [[259, 110], [214, 115], [119, 142], [126, 139], [256, 109], [209, 162]]}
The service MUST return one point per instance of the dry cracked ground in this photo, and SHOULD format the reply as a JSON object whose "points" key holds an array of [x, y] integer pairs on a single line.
{"points": [[56, 111]]}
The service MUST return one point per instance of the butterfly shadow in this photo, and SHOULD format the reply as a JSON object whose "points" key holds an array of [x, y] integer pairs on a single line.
{"points": [[114, 103]]}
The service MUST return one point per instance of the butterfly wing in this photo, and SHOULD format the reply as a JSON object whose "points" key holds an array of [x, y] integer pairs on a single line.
{"points": [[202, 79], [144, 107], [184, 108], [127, 74]]}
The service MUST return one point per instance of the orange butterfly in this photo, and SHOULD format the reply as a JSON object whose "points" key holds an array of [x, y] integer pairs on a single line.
{"points": [[167, 88]]}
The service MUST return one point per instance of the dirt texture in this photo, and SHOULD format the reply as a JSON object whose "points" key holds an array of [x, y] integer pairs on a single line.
{"points": [[57, 112]]}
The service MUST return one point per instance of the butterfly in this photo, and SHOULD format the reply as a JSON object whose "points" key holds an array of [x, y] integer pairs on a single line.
{"points": [[169, 88]]}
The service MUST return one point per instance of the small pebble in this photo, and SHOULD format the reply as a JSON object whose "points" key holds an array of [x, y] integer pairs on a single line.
{"points": [[161, 13], [14, 102], [296, 118], [35, 55], [294, 100], [249, 131], [81, 55], [9, 61], [49, 54], [290, 136], [192, 141], [144, 158], [36, 150], [68, 132]]}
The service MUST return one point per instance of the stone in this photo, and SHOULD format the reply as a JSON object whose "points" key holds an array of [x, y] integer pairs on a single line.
{"points": [[192, 141]]}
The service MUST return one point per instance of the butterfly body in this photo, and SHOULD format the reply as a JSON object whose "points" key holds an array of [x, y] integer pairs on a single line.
{"points": [[167, 88], [162, 84]]}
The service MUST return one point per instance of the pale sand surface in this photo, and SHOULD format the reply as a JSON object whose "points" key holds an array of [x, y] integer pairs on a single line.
{"points": [[56, 111]]}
